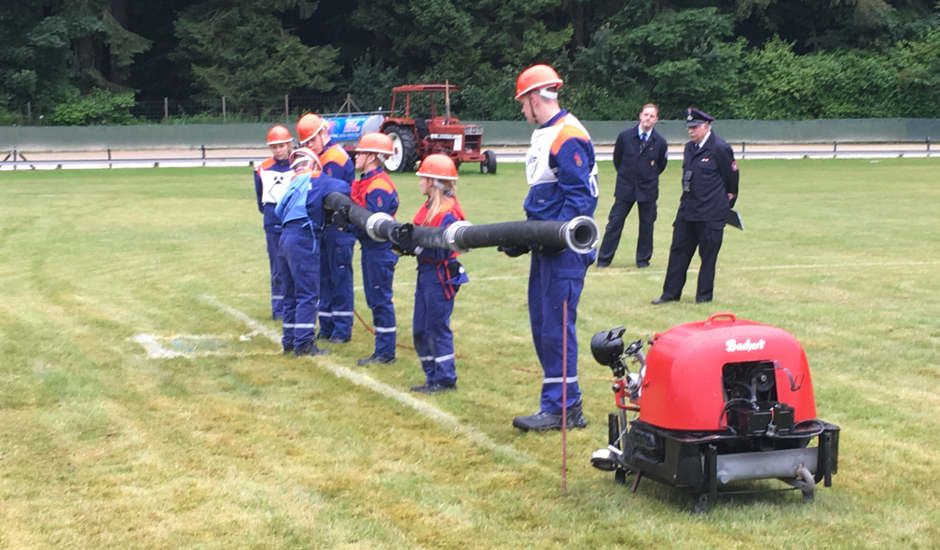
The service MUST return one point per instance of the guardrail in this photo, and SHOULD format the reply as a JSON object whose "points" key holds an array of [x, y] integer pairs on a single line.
{"points": [[209, 156]]}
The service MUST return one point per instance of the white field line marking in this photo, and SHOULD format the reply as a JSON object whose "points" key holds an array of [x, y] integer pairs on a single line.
{"points": [[360, 379], [155, 347]]}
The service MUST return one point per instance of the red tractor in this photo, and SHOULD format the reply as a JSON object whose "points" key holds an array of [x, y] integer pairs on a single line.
{"points": [[415, 137]]}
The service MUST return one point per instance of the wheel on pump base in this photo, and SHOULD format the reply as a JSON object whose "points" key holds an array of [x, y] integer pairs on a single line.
{"points": [[488, 165], [403, 143]]}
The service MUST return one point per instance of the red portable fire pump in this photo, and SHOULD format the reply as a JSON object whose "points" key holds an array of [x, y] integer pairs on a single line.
{"points": [[717, 401]]}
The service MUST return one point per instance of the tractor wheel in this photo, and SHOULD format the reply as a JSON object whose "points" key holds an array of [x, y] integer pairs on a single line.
{"points": [[403, 140], [488, 166]]}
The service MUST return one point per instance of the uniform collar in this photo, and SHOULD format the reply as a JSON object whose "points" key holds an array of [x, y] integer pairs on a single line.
{"points": [[554, 120], [371, 173]]}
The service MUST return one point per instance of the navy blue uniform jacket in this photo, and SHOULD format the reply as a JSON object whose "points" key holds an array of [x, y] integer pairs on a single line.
{"points": [[714, 174], [639, 165]]}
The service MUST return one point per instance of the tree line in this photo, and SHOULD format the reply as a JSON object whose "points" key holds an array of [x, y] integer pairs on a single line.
{"points": [[103, 61]]}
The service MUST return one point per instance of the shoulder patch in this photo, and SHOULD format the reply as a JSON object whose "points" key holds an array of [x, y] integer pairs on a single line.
{"points": [[734, 166]]}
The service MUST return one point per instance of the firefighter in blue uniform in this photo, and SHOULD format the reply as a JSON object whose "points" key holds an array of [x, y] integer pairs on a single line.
{"points": [[271, 179], [298, 256], [336, 277], [709, 190], [439, 277], [562, 177], [639, 157], [375, 192]]}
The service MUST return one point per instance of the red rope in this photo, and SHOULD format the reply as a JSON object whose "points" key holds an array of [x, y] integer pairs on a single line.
{"points": [[397, 345], [372, 332]]}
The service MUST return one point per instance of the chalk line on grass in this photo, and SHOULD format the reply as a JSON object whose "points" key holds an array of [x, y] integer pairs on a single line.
{"points": [[363, 380], [188, 345]]}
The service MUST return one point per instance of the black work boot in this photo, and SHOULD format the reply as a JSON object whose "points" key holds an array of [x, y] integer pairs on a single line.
{"points": [[543, 420], [375, 359], [576, 417], [538, 422], [309, 349]]}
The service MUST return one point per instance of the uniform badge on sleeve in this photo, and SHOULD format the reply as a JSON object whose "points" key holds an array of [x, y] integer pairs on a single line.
{"points": [[378, 201], [734, 166], [577, 160]]}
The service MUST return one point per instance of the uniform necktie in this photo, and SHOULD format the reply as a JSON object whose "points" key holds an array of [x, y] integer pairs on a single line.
{"points": [[643, 136]]}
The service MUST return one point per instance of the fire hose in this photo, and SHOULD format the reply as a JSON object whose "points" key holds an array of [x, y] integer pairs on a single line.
{"points": [[579, 234]]}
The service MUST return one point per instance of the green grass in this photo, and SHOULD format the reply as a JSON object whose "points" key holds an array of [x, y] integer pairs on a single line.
{"points": [[240, 447]]}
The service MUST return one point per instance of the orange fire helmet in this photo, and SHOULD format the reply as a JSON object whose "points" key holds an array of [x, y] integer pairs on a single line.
{"points": [[308, 127], [438, 166], [279, 134], [537, 77], [375, 142]]}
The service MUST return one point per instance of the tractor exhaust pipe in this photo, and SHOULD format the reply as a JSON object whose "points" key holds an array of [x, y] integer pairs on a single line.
{"points": [[579, 234]]}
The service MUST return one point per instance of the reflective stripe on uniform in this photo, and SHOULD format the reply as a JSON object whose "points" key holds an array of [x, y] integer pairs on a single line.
{"points": [[385, 329], [569, 380], [444, 358]]}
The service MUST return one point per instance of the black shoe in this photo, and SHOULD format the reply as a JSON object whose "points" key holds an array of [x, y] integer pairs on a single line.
{"points": [[538, 422], [641, 265], [337, 340], [432, 388], [287, 351], [663, 300], [576, 418], [375, 359], [544, 420], [702, 300], [310, 349]]}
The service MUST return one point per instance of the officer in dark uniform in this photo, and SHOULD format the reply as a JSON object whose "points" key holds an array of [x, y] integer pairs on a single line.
{"points": [[709, 190], [639, 157]]}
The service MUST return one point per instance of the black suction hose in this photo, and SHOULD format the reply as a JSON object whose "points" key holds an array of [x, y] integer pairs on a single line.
{"points": [[579, 234]]}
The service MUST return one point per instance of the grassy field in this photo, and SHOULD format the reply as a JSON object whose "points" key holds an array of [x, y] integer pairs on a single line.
{"points": [[144, 401]]}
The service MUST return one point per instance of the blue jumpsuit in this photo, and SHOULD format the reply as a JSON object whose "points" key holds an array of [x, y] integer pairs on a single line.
{"points": [[562, 175], [336, 278], [271, 180], [376, 192], [298, 264], [439, 278]]}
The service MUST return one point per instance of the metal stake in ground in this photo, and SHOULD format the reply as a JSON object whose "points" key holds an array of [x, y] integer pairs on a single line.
{"points": [[564, 396]]}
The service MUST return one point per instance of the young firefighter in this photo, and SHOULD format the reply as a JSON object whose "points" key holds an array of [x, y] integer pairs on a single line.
{"points": [[271, 179], [439, 277], [336, 278], [375, 192], [298, 258]]}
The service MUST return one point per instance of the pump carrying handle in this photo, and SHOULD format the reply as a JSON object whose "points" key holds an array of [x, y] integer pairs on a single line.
{"points": [[719, 315]]}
